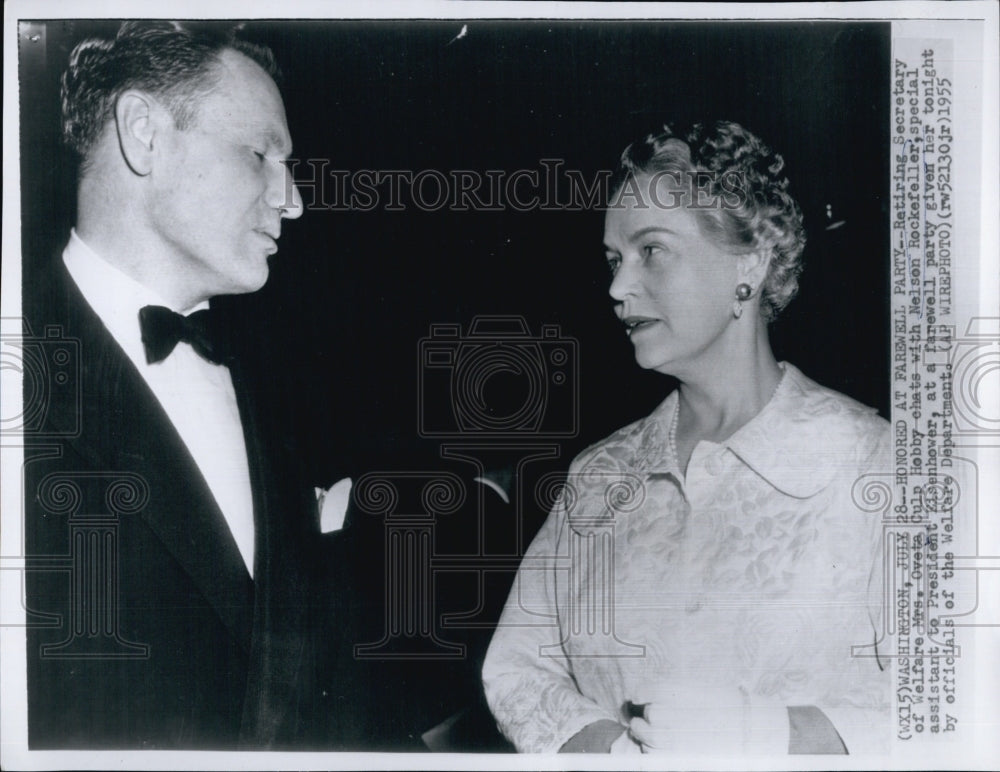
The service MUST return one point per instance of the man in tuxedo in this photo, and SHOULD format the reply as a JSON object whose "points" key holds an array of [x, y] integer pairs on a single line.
{"points": [[173, 540]]}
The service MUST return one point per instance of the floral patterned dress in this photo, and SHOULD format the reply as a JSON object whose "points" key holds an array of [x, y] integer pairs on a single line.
{"points": [[758, 571]]}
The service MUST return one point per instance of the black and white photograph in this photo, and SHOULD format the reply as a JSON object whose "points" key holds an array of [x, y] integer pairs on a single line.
{"points": [[462, 385]]}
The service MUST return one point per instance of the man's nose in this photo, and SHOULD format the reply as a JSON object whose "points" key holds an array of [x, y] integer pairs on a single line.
{"points": [[284, 195]]}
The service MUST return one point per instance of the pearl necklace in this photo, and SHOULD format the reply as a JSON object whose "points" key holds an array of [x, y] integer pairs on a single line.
{"points": [[672, 434]]}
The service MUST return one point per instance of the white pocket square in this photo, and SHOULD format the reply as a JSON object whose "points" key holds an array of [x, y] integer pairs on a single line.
{"points": [[332, 505]]}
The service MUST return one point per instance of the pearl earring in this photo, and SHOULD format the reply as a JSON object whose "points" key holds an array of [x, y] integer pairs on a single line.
{"points": [[743, 292]]}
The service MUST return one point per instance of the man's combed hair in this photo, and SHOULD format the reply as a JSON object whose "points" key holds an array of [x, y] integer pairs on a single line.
{"points": [[744, 178], [172, 60]]}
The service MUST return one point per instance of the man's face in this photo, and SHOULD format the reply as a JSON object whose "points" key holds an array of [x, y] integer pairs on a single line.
{"points": [[222, 188]]}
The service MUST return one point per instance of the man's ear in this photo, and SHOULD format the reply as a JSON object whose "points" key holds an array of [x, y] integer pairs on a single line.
{"points": [[136, 122]]}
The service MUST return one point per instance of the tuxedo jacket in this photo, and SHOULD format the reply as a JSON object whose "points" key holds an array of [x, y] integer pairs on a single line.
{"points": [[145, 629]]}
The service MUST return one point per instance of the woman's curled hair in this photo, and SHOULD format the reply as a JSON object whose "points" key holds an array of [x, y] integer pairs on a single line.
{"points": [[748, 205]]}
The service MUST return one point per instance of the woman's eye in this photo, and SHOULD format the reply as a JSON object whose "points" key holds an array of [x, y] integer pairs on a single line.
{"points": [[613, 264], [259, 156]]}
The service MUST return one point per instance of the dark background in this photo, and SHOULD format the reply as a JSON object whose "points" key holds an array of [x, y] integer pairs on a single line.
{"points": [[351, 294]]}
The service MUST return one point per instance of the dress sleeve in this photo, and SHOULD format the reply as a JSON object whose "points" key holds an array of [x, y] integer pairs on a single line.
{"points": [[528, 679], [838, 663], [862, 718]]}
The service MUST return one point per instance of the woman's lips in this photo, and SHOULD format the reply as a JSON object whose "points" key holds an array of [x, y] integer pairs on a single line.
{"points": [[634, 324]]}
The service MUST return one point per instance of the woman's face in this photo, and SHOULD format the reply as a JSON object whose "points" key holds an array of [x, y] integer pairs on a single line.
{"points": [[673, 286]]}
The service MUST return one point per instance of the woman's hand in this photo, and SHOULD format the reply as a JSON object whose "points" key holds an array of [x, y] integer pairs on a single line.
{"points": [[668, 727], [715, 721], [594, 738]]}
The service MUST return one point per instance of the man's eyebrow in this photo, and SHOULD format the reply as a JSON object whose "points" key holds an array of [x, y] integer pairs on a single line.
{"points": [[276, 141]]}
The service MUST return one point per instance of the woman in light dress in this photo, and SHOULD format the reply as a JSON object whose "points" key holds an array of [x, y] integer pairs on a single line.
{"points": [[706, 583]]}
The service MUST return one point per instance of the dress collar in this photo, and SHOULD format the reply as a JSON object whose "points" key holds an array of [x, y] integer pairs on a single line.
{"points": [[788, 443]]}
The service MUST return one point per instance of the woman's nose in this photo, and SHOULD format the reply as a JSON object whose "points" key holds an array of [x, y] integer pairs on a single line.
{"points": [[623, 282]]}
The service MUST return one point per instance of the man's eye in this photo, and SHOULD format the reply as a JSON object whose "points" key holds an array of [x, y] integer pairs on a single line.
{"points": [[259, 156], [650, 249]]}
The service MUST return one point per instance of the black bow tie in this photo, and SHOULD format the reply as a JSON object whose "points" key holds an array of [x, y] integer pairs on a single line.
{"points": [[162, 329]]}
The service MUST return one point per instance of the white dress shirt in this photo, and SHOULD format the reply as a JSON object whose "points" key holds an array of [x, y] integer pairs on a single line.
{"points": [[196, 395]]}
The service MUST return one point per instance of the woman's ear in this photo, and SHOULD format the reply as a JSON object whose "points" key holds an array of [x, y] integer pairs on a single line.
{"points": [[753, 267]]}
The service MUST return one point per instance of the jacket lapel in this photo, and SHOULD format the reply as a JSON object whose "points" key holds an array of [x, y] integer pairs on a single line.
{"points": [[123, 426], [281, 568]]}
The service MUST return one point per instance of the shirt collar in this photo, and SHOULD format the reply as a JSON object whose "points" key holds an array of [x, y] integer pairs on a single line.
{"points": [[785, 443], [653, 443], [113, 295]]}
